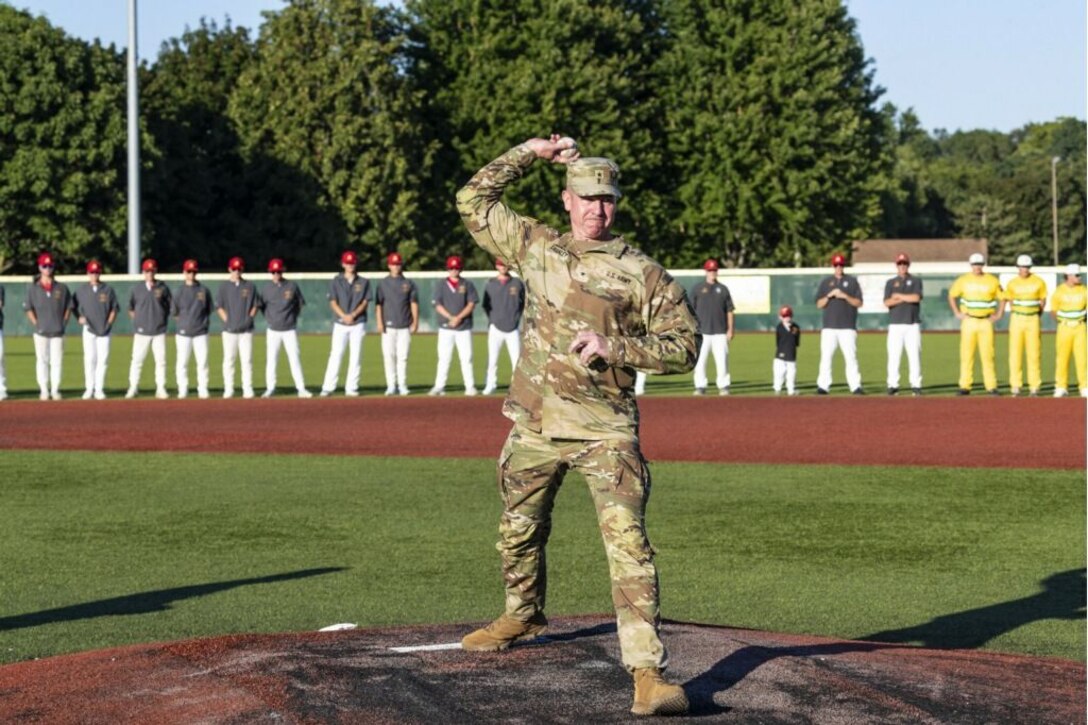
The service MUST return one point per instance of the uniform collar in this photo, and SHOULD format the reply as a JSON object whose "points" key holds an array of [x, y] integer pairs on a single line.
{"points": [[615, 246]]}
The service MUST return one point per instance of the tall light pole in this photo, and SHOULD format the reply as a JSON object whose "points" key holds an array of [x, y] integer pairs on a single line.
{"points": [[1054, 203], [133, 148]]}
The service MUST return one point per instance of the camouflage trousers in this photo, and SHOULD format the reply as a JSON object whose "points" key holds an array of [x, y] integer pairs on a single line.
{"points": [[531, 470]]}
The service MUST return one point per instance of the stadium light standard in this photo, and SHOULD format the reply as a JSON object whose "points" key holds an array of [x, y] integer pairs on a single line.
{"points": [[1054, 203], [133, 148]]}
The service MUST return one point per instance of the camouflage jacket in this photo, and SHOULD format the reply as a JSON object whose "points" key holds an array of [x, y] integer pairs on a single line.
{"points": [[573, 285]]}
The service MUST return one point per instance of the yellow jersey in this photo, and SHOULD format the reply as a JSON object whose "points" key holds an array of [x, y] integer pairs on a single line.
{"points": [[1026, 294], [978, 294], [1070, 303]]}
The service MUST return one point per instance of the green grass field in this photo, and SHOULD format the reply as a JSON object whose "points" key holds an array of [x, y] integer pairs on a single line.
{"points": [[104, 549], [749, 363]]}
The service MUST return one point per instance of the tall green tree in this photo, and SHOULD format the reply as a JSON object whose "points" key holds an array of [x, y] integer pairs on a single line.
{"points": [[62, 145], [500, 71], [326, 100], [779, 150]]}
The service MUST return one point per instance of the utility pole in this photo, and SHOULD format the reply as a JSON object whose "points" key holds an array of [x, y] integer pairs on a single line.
{"points": [[1054, 203], [133, 148]]}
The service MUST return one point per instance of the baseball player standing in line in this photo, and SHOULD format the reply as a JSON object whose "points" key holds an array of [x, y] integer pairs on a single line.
{"points": [[1026, 296], [504, 301], [149, 310], [48, 305], [714, 310], [596, 310], [348, 297], [397, 303], [3, 374], [975, 299], [903, 298], [839, 296], [454, 300], [95, 306], [787, 338], [237, 308], [192, 307], [282, 302], [1069, 306]]}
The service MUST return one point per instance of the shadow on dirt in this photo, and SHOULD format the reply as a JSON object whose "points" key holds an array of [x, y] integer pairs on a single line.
{"points": [[147, 602]]}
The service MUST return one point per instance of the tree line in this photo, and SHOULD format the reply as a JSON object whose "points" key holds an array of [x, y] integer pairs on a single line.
{"points": [[747, 130]]}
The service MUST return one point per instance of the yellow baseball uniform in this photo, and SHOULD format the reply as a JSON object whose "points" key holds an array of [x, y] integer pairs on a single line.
{"points": [[978, 297], [1027, 297], [1070, 305]]}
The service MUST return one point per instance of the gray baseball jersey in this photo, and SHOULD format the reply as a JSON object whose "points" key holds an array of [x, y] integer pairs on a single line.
{"points": [[152, 308], [238, 301], [349, 294], [905, 313], [192, 307], [281, 304], [95, 304], [840, 314], [455, 299], [711, 303], [49, 306], [395, 295], [504, 303]]}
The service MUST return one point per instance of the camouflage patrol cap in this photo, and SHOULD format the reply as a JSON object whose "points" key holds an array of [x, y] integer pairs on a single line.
{"points": [[594, 176]]}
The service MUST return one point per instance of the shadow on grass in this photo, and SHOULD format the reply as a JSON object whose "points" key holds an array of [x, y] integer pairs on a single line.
{"points": [[147, 602]]}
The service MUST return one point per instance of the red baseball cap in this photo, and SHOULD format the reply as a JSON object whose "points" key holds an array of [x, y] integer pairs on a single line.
{"points": [[902, 258], [189, 265], [500, 263], [785, 311], [349, 257], [275, 265], [711, 265], [838, 261], [149, 265], [45, 259], [236, 263], [454, 262], [94, 267], [394, 258]]}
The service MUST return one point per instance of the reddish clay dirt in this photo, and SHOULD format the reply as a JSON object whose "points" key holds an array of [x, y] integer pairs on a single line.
{"points": [[572, 675], [971, 432]]}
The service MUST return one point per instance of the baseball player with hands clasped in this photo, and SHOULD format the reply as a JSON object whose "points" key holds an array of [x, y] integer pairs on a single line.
{"points": [[839, 296], [349, 295], [714, 310], [282, 301], [1069, 307], [975, 299], [504, 301], [787, 338], [95, 306], [237, 308], [3, 374], [903, 298], [48, 305], [397, 303], [1025, 294], [454, 300], [192, 308], [596, 311], [149, 309]]}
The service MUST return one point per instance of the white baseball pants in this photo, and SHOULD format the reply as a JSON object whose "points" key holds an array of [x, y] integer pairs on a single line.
{"points": [[906, 338], [395, 346], [447, 340], [785, 371], [3, 374], [640, 382], [238, 345], [198, 346], [49, 353], [847, 341], [350, 336], [140, 343], [96, 355], [719, 346], [496, 338], [289, 340]]}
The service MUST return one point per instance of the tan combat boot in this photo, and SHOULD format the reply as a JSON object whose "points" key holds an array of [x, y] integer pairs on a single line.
{"points": [[654, 696], [503, 632]]}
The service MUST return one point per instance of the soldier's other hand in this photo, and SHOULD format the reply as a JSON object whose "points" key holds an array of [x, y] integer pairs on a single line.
{"points": [[589, 345], [549, 148]]}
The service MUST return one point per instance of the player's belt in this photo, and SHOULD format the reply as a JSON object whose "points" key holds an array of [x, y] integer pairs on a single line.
{"points": [[1035, 313]]}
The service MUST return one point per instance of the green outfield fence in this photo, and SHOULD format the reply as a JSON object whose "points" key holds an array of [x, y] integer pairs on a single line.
{"points": [[758, 293]]}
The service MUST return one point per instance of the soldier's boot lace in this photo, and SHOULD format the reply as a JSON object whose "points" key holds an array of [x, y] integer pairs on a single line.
{"points": [[503, 632], [655, 696]]}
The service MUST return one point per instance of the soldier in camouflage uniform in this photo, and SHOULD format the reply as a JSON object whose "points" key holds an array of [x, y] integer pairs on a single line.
{"points": [[597, 311]]}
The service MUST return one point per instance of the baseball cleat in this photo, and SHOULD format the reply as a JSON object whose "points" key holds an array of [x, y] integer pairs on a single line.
{"points": [[267, 394], [99, 395], [351, 393], [130, 393], [699, 391], [858, 391], [325, 393], [489, 390], [161, 394], [471, 392], [404, 391], [390, 391], [723, 391], [436, 391], [88, 394], [893, 391], [44, 395], [228, 393], [304, 393], [56, 395], [916, 392], [963, 391], [994, 392], [203, 395], [821, 391], [248, 394], [1015, 392]]}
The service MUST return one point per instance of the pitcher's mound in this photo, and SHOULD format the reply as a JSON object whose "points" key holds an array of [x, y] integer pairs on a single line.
{"points": [[405, 675]]}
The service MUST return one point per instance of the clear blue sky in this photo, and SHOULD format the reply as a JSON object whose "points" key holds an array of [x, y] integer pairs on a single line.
{"points": [[996, 64]]}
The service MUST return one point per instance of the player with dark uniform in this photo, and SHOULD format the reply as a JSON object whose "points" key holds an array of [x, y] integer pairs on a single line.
{"points": [[192, 307], [903, 298], [95, 306], [454, 300], [237, 307], [397, 303], [48, 305], [504, 301], [787, 337], [839, 296], [281, 302], [149, 310], [3, 375], [349, 295], [714, 311]]}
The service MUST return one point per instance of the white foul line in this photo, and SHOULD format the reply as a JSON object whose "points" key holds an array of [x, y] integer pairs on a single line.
{"points": [[427, 647]]}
